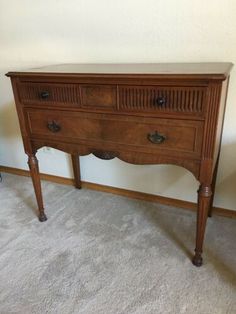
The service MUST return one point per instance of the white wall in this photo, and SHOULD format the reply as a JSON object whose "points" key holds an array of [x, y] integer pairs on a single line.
{"points": [[44, 32]]}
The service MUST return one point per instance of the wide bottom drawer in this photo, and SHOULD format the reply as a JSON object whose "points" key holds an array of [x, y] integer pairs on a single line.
{"points": [[149, 133]]}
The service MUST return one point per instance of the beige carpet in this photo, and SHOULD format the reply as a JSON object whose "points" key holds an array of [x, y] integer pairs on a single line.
{"points": [[106, 254]]}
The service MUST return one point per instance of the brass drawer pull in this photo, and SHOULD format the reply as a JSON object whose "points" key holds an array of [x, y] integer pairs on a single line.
{"points": [[53, 126], [161, 101], [156, 138], [44, 95]]}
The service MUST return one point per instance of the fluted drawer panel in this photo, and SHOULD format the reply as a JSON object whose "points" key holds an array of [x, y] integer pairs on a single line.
{"points": [[49, 93], [151, 98]]}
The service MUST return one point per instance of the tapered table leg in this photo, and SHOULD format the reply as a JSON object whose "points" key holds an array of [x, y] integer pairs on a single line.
{"points": [[204, 198], [34, 171], [76, 169]]}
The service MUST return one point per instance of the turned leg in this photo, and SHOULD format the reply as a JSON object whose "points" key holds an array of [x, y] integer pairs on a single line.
{"points": [[76, 169], [34, 171], [213, 186], [204, 199]]}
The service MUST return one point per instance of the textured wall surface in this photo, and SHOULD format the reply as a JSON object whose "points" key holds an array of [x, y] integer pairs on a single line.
{"points": [[49, 32]]}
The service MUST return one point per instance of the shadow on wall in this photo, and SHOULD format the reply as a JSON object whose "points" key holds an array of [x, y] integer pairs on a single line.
{"points": [[9, 124], [11, 145], [226, 179]]}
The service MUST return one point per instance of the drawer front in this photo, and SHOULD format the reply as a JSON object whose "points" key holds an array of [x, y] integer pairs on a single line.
{"points": [[49, 94], [124, 98], [183, 100], [98, 96], [149, 134]]}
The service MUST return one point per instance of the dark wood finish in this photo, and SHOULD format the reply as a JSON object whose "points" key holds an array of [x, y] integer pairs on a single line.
{"points": [[34, 172], [184, 100], [76, 169], [140, 113], [204, 198], [203, 70], [98, 96], [52, 94], [213, 186], [108, 131]]}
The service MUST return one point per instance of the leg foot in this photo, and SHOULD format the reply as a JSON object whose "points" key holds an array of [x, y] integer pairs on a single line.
{"points": [[197, 260], [42, 217]]}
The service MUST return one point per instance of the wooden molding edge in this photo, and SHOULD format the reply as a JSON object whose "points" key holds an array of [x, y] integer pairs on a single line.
{"points": [[123, 192]]}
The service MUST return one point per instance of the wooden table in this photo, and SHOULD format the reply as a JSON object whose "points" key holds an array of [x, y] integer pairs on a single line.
{"points": [[140, 113]]}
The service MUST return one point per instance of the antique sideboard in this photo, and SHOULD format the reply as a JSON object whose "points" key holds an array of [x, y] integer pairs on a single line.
{"points": [[140, 113]]}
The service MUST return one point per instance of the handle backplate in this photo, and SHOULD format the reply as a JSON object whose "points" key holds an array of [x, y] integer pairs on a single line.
{"points": [[53, 126], [156, 138]]}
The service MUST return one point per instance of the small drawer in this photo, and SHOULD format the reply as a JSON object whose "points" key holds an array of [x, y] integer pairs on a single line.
{"points": [[98, 96], [147, 134], [49, 93], [183, 100]]}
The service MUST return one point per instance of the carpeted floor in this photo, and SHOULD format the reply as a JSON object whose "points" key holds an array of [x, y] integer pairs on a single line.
{"points": [[104, 254]]}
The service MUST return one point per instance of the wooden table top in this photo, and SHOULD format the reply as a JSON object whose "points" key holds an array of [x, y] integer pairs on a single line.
{"points": [[215, 69]]}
